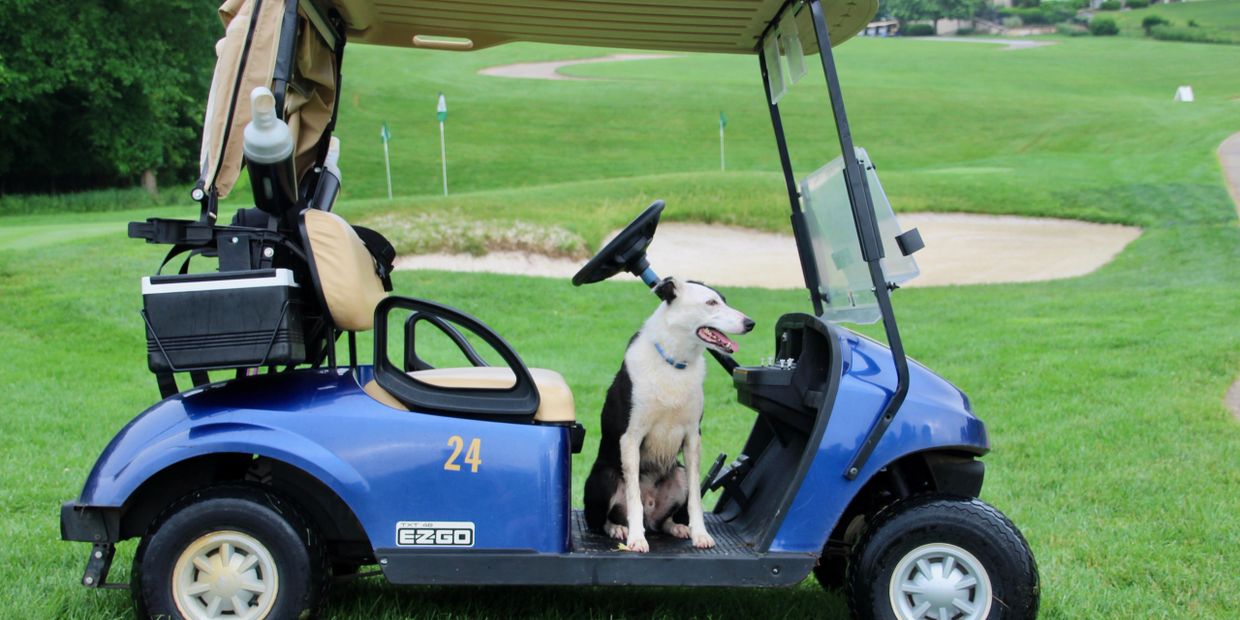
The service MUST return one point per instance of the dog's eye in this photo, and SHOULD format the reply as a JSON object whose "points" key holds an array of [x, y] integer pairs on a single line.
{"points": [[713, 302]]}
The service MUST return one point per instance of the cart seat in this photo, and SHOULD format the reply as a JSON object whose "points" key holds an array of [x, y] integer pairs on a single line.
{"points": [[555, 397]]}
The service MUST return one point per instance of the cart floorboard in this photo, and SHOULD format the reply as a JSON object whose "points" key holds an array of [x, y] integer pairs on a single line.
{"points": [[596, 560], [727, 540]]}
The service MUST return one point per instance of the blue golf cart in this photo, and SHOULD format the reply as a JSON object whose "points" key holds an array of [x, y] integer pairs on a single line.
{"points": [[250, 495]]}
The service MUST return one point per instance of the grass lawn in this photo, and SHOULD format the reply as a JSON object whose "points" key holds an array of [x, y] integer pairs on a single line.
{"points": [[1102, 394], [1217, 19]]}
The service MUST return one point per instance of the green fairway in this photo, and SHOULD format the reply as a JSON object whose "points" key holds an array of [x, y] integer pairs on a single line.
{"points": [[1045, 129], [1102, 394]]}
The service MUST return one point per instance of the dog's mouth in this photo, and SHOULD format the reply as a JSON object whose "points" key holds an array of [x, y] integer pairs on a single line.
{"points": [[715, 338]]}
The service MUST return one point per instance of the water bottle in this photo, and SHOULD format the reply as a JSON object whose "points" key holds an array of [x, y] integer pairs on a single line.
{"points": [[268, 151]]}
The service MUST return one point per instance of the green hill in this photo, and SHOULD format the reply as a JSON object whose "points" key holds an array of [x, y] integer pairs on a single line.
{"points": [[954, 127], [1102, 394], [1215, 21]]}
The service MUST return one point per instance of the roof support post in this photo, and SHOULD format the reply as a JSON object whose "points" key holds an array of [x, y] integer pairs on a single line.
{"points": [[871, 243]]}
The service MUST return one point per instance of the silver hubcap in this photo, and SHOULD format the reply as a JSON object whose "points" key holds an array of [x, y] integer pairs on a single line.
{"points": [[225, 575], [940, 582]]}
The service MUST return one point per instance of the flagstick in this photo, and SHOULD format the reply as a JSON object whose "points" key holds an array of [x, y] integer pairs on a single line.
{"points": [[722, 165], [443, 157], [387, 163]]}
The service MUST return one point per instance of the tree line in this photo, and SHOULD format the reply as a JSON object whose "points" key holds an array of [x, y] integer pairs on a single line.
{"points": [[934, 10], [102, 93]]}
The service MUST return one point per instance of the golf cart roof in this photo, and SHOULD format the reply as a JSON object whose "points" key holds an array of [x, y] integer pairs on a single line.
{"points": [[721, 26]]}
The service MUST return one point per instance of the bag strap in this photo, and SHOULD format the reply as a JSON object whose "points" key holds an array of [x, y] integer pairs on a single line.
{"points": [[173, 252], [382, 251]]}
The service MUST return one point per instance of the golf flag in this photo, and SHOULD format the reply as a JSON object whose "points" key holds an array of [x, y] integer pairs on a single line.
{"points": [[441, 113], [385, 135], [723, 123]]}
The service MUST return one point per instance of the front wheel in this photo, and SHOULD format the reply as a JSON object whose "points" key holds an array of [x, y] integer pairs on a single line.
{"points": [[233, 551], [936, 556]]}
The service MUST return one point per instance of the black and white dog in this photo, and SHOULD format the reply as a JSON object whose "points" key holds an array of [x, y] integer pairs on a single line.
{"points": [[652, 412]]}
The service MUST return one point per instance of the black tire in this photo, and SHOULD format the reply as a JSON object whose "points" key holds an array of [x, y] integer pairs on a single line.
{"points": [[830, 574], [831, 571], [252, 515], [964, 523]]}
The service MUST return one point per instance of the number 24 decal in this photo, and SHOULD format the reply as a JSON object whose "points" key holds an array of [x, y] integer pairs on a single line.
{"points": [[473, 456]]}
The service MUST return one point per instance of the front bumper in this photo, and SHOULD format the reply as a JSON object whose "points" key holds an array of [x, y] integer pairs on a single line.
{"points": [[91, 524]]}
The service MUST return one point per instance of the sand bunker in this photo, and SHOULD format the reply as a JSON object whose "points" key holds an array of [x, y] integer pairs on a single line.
{"points": [[551, 70], [1229, 159], [960, 249], [1011, 44], [1232, 399]]}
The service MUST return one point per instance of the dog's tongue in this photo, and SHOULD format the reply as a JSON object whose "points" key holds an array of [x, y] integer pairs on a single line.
{"points": [[716, 337]]}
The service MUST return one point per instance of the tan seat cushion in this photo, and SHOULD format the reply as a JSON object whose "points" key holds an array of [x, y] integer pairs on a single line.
{"points": [[554, 394], [344, 269]]}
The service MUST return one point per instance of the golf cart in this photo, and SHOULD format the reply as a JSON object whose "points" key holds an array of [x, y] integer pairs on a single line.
{"points": [[248, 494]]}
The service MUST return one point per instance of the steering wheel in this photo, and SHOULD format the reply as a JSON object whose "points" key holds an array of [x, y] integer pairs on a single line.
{"points": [[627, 252]]}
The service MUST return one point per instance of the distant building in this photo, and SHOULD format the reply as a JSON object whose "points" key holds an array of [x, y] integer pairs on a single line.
{"points": [[886, 28]]}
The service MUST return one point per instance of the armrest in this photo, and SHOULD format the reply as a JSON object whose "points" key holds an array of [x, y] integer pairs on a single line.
{"points": [[519, 400]]}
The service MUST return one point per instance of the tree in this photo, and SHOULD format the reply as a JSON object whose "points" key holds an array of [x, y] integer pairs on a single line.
{"points": [[909, 10], [1147, 24], [914, 10], [1103, 27], [95, 92], [957, 9]]}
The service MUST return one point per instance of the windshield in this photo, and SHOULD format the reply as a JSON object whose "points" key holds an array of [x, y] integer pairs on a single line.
{"points": [[846, 287]]}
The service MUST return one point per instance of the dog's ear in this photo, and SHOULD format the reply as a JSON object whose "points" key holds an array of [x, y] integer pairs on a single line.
{"points": [[666, 290]]}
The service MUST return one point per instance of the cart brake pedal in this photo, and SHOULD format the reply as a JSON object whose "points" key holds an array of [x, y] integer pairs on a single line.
{"points": [[709, 480], [730, 478]]}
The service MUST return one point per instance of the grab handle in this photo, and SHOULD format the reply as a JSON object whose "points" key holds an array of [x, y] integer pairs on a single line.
{"points": [[520, 400]]}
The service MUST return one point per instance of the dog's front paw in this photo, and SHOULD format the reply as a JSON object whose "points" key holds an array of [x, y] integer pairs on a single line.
{"points": [[703, 540], [618, 532], [678, 530], [638, 544]]}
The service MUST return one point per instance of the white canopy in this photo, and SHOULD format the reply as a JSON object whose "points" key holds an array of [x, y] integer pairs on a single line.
{"points": [[724, 26]]}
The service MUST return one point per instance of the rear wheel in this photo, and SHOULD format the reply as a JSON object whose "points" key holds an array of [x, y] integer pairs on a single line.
{"points": [[233, 551], [934, 556]]}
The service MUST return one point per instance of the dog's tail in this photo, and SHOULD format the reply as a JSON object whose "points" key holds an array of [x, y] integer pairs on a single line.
{"points": [[601, 486]]}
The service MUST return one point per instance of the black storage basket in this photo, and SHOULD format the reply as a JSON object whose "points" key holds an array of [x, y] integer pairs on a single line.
{"points": [[213, 321]]}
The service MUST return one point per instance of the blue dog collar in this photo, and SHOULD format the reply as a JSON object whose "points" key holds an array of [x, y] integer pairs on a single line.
{"points": [[669, 359]]}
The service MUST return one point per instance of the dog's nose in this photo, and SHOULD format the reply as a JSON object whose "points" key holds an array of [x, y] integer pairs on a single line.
{"points": [[748, 325]]}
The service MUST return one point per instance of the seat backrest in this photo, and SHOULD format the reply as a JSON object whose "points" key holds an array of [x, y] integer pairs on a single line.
{"points": [[343, 270]]}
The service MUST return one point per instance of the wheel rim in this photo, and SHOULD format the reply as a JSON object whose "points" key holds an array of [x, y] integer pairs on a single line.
{"points": [[940, 582], [225, 575]]}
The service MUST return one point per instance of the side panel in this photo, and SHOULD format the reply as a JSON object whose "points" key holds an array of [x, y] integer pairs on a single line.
{"points": [[934, 415], [389, 466]]}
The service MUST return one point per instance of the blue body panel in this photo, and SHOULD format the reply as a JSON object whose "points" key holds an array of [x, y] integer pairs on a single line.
{"points": [[387, 465], [934, 415]]}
